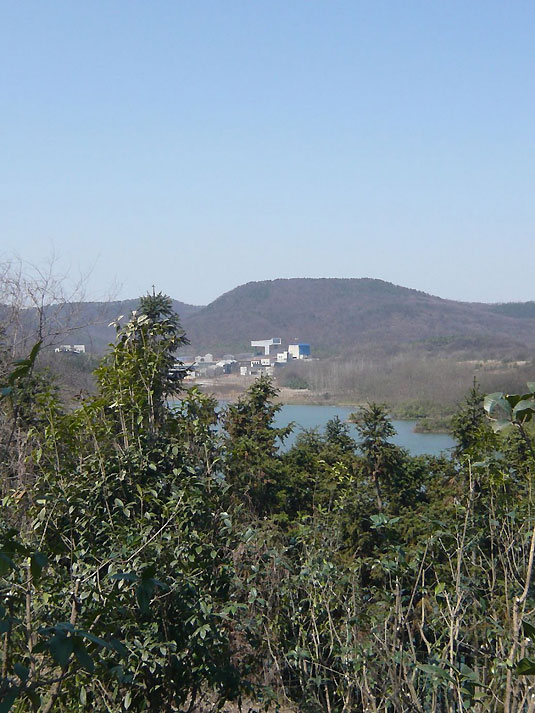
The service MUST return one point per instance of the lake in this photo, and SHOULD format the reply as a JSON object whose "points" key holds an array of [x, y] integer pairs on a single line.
{"points": [[306, 417]]}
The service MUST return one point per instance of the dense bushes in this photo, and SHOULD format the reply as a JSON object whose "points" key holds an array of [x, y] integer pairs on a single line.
{"points": [[130, 597], [166, 557]]}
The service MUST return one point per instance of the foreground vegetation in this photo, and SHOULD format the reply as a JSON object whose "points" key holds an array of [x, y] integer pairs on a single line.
{"points": [[158, 558]]}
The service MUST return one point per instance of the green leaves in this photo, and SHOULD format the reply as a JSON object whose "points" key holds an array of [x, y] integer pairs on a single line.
{"points": [[61, 647], [83, 658], [524, 409], [127, 532], [8, 699], [11, 547], [22, 368], [381, 520], [507, 409], [499, 410], [525, 667], [38, 561], [6, 564], [438, 671], [138, 376], [63, 641], [146, 585]]}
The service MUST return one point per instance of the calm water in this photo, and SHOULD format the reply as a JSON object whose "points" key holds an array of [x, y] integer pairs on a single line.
{"points": [[317, 416]]}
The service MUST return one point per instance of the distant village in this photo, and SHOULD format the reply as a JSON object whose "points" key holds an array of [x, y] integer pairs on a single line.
{"points": [[268, 356], [70, 349]]}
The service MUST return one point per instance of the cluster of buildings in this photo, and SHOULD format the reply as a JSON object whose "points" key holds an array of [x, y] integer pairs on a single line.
{"points": [[267, 362], [70, 349], [254, 364]]}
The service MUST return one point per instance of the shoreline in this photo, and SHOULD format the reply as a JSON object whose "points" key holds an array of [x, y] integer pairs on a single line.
{"points": [[226, 390]]}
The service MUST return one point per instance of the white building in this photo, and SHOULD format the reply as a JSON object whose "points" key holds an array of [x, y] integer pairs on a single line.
{"points": [[71, 349], [265, 344]]}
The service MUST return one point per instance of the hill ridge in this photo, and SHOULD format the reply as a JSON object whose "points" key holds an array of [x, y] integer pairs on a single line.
{"points": [[333, 314]]}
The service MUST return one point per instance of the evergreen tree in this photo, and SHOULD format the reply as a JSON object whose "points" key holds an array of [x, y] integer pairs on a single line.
{"points": [[470, 426], [253, 465], [381, 456], [138, 376]]}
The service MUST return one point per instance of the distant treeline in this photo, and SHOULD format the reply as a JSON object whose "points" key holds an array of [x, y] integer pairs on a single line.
{"points": [[436, 382]]}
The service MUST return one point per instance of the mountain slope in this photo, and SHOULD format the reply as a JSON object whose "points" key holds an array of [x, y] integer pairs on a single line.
{"points": [[337, 314], [96, 316], [83, 322], [333, 315]]}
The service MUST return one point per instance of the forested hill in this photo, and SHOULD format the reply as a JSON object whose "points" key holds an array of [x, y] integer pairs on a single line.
{"points": [[337, 314], [87, 322], [333, 315]]}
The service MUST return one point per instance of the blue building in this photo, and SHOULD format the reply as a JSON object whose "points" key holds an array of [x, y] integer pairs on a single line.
{"points": [[299, 351]]}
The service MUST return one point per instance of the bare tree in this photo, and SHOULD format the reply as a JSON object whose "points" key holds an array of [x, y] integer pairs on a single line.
{"points": [[37, 303]]}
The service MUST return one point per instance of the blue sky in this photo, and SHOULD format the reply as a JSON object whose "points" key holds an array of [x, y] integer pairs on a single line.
{"points": [[197, 145]]}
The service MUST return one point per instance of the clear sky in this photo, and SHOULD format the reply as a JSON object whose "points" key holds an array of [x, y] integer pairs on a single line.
{"points": [[197, 145]]}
